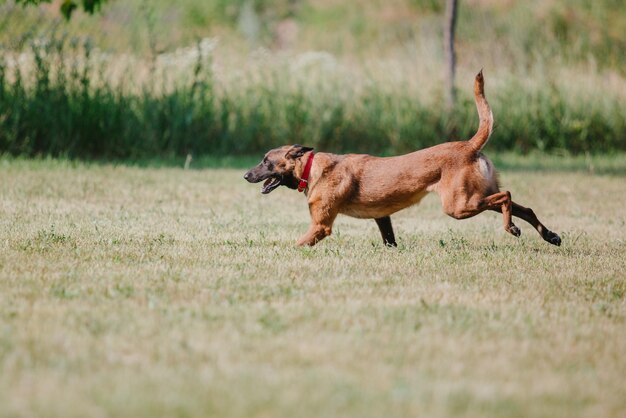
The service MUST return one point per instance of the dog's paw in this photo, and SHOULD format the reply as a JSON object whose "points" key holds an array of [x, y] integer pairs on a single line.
{"points": [[552, 238], [515, 231]]}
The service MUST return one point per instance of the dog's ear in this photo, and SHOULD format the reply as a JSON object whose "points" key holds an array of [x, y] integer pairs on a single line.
{"points": [[297, 151]]}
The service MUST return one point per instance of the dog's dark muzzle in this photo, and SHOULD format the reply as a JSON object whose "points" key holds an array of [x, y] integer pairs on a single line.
{"points": [[250, 177], [272, 180], [255, 175]]}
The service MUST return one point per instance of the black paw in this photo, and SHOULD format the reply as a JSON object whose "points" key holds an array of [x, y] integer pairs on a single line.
{"points": [[552, 238], [515, 230]]}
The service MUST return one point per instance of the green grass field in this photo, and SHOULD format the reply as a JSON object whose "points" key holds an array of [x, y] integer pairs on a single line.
{"points": [[162, 292]]}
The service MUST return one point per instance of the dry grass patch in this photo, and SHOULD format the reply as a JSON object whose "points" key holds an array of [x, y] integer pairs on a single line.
{"points": [[163, 292]]}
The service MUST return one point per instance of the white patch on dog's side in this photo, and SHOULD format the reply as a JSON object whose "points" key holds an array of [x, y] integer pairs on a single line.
{"points": [[486, 168]]}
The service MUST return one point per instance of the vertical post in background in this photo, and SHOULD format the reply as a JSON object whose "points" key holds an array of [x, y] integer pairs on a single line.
{"points": [[448, 39], [249, 23]]}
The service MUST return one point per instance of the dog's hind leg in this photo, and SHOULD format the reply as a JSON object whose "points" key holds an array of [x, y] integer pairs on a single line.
{"points": [[500, 202], [504, 202], [529, 216], [386, 231]]}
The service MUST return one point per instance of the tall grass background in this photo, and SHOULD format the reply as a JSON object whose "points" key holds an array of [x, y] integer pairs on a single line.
{"points": [[62, 93]]}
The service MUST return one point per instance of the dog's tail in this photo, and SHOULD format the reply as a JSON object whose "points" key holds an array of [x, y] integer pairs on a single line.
{"points": [[485, 126]]}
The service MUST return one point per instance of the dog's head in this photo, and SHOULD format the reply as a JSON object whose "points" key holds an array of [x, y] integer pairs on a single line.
{"points": [[277, 168]]}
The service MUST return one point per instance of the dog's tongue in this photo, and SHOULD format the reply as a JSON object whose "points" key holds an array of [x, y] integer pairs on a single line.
{"points": [[269, 185]]}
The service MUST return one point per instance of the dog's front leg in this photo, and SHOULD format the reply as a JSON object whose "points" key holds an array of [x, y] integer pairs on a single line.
{"points": [[322, 218], [315, 234]]}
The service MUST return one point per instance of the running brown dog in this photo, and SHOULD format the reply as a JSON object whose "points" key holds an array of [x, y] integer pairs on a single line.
{"points": [[363, 186]]}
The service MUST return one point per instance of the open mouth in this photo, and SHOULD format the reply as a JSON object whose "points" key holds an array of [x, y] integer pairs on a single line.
{"points": [[270, 184]]}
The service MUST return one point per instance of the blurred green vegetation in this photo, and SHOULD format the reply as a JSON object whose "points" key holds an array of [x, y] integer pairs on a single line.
{"points": [[555, 77], [576, 29]]}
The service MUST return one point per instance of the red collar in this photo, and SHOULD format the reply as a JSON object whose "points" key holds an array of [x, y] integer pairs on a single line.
{"points": [[304, 181]]}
